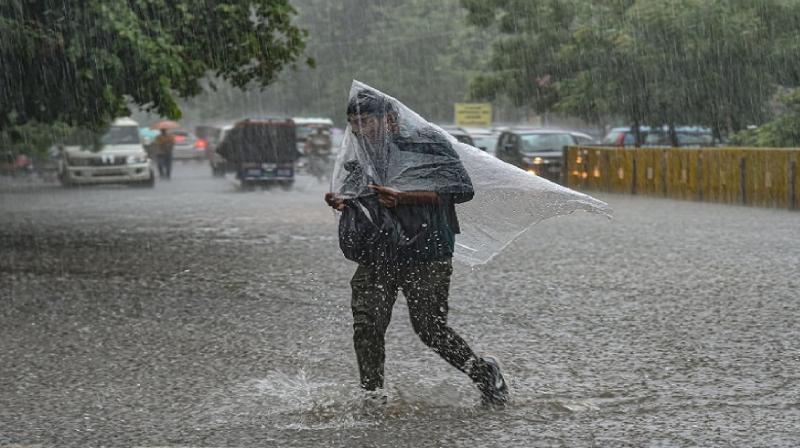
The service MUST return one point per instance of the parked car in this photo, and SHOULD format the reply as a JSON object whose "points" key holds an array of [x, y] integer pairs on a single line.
{"points": [[460, 134], [688, 136], [624, 136], [188, 146], [537, 151], [485, 139], [121, 158]]}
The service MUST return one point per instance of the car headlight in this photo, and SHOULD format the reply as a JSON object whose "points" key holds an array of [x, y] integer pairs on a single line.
{"points": [[534, 160], [136, 159]]}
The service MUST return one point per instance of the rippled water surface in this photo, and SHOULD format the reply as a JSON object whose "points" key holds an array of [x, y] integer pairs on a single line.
{"points": [[197, 315]]}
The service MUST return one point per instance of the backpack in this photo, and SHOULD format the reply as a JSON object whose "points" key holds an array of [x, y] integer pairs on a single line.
{"points": [[369, 233]]}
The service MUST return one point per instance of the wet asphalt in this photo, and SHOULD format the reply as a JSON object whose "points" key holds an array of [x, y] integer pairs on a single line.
{"points": [[194, 314]]}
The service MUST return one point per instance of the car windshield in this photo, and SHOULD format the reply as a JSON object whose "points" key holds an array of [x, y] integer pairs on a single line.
{"points": [[121, 135], [485, 142], [545, 142]]}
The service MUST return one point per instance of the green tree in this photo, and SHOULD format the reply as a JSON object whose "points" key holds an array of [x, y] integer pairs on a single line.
{"points": [[710, 62], [423, 52], [34, 138], [83, 62], [782, 132], [525, 64]]}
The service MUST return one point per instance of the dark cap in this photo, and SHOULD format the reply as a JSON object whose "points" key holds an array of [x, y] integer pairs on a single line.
{"points": [[369, 102]]}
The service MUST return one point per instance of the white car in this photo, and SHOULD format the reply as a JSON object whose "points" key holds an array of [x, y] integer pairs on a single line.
{"points": [[122, 159], [218, 164], [186, 146]]}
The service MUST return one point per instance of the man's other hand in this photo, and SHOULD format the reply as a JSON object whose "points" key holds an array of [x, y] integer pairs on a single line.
{"points": [[389, 197], [334, 201]]}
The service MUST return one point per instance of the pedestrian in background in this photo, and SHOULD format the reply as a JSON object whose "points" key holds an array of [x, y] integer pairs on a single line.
{"points": [[164, 144]]}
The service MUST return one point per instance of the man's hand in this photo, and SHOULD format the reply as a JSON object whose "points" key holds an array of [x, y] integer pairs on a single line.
{"points": [[388, 197], [334, 201]]}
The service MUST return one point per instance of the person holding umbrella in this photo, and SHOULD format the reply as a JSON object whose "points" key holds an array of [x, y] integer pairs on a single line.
{"points": [[163, 146]]}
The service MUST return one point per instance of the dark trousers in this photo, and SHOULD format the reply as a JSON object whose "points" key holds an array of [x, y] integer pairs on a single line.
{"points": [[426, 288], [164, 165]]}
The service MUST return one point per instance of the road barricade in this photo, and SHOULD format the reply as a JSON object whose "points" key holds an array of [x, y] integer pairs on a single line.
{"points": [[751, 176]]}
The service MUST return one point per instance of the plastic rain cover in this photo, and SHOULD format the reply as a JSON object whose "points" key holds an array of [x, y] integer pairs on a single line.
{"points": [[397, 148]]}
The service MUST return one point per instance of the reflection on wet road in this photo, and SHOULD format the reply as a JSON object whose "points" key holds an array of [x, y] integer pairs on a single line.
{"points": [[193, 314]]}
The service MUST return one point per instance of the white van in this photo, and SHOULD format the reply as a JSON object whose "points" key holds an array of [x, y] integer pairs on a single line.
{"points": [[122, 159]]}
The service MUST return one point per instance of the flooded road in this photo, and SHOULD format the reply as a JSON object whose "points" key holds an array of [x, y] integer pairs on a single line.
{"points": [[193, 314]]}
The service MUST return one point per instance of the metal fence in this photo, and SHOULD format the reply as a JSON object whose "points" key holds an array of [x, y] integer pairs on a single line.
{"points": [[762, 177]]}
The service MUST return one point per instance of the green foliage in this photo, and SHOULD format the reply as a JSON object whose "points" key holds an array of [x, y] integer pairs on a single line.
{"points": [[31, 138], [82, 62], [710, 62], [782, 132]]}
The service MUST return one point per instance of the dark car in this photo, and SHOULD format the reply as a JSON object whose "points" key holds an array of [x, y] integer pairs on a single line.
{"points": [[460, 134], [485, 139], [537, 151]]}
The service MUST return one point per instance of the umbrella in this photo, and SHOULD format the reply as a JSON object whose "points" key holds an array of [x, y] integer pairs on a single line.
{"points": [[165, 124]]}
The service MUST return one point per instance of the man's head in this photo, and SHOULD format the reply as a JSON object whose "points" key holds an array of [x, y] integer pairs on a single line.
{"points": [[371, 114]]}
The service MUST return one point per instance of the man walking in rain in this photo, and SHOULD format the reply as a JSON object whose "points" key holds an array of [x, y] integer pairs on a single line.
{"points": [[398, 190], [164, 144]]}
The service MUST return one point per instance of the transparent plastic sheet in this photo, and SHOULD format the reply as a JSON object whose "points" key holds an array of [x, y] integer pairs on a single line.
{"points": [[399, 149]]}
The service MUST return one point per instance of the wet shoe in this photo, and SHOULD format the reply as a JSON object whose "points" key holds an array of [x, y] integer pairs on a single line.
{"points": [[376, 398], [373, 404], [492, 384]]}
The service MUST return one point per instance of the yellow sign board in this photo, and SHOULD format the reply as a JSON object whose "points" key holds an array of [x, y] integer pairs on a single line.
{"points": [[473, 114]]}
